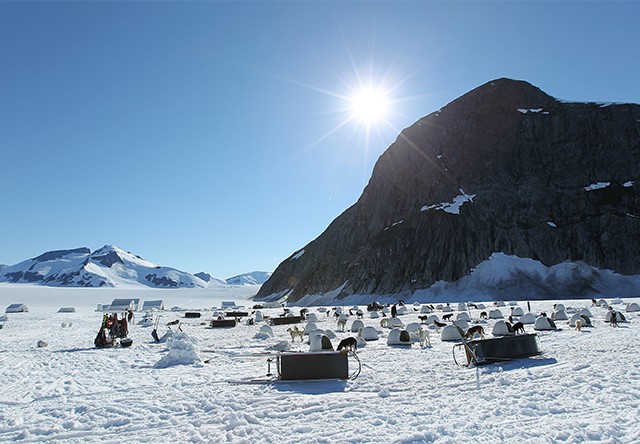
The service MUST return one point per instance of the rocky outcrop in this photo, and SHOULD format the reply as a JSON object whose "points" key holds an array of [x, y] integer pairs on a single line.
{"points": [[504, 168]]}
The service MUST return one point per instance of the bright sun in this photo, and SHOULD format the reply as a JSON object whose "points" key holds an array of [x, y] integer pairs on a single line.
{"points": [[369, 105]]}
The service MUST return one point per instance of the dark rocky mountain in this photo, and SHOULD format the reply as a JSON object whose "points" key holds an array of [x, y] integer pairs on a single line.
{"points": [[505, 168]]}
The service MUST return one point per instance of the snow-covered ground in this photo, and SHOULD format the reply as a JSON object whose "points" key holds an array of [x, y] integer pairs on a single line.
{"points": [[585, 387]]}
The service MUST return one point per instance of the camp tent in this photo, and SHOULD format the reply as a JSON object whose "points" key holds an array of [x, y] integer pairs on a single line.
{"points": [[16, 308], [153, 305], [67, 310], [124, 305]]}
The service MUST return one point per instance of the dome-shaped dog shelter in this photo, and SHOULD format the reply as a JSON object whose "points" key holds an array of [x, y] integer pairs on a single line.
{"points": [[528, 318], [543, 323], [370, 333], [501, 328], [517, 312], [496, 314], [357, 325], [559, 316], [632, 308], [451, 333], [398, 337]]}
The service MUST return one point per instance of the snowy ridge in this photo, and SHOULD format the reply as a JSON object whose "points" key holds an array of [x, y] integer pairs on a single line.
{"points": [[109, 266], [253, 278], [505, 277]]}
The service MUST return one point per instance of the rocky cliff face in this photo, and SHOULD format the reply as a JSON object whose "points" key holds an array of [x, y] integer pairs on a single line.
{"points": [[504, 168]]}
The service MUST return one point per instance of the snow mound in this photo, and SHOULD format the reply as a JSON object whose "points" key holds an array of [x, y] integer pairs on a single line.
{"points": [[182, 351]]}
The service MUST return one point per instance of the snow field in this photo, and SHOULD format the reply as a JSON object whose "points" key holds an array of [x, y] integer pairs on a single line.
{"points": [[584, 388]]}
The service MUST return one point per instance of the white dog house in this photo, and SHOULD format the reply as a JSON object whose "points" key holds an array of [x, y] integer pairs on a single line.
{"points": [[370, 333], [559, 307], [542, 323], [319, 343], [462, 324], [309, 328], [413, 327], [374, 314], [585, 312], [395, 323], [16, 308], [584, 320], [451, 333], [501, 328], [357, 325], [464, 316], [632, 308], [528, 318], [559, 316], [399, 337], [425, 309], [517, 312], [496, 314]]}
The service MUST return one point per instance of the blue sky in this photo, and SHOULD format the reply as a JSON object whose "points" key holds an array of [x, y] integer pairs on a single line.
{"points": [[217, 136]]}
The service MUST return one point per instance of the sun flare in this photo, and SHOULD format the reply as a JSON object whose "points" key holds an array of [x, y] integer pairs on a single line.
{"points": [[369, 105]]}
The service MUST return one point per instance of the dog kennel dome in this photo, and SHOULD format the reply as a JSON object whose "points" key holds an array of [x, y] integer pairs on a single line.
{"points": [[581, 318], [496, 314], [559, 316], [413, 327], [632, 307], [517, 312], [542, 323], [357, 325], [309, 327], [370, 333], [585, 312], [501, 328], [463, 316], [398, 337], [451, 333], [528, 318]]}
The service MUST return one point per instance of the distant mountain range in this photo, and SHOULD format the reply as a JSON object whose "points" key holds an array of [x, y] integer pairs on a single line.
{"points": [[111, 266]]}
